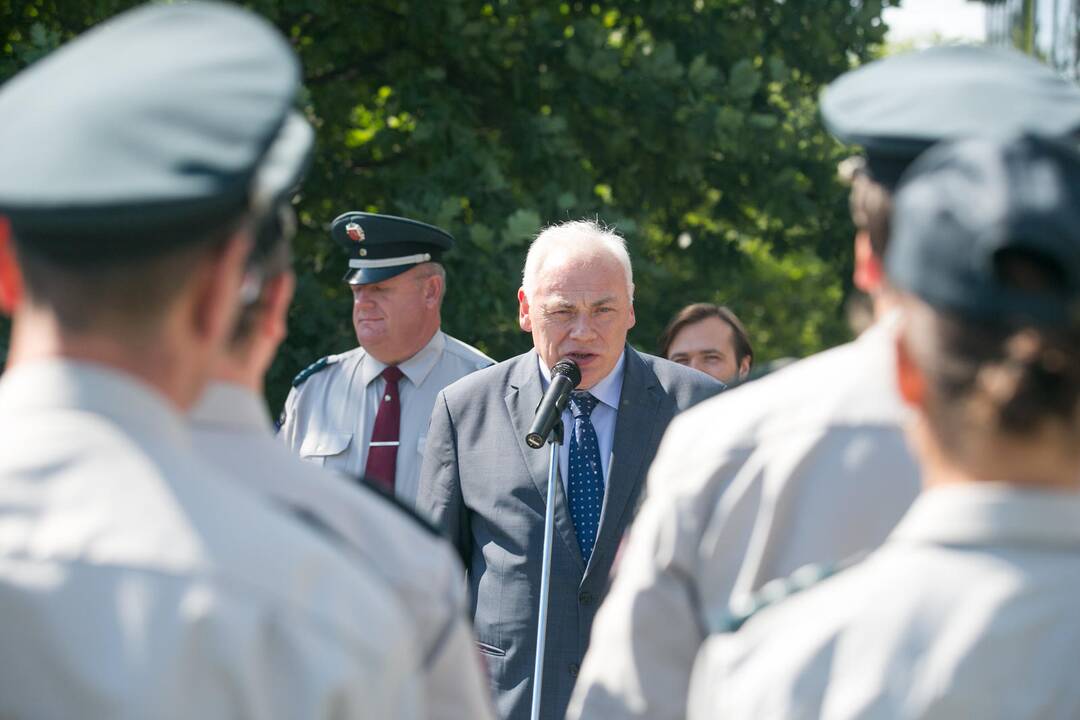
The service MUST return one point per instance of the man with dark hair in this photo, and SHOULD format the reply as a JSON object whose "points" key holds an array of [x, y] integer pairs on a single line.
{"points": [[709, 338], [808, 465], [233, 430], [135, 580]]}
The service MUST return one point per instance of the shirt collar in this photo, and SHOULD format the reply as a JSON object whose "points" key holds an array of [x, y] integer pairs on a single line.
{"points": [[986, 513], [416, 368], [231, 406], [607, 391], [61, 384]]}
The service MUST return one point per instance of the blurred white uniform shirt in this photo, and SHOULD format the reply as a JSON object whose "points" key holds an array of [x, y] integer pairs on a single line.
{"points": [[231, 428], [137, 582], [808, 465], [967, 611]]}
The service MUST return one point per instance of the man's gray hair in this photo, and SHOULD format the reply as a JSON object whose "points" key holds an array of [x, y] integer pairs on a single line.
{"points": [[431, 269], [581, 237]]}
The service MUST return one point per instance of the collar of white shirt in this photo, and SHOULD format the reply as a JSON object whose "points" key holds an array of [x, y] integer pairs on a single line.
{"points": [[123, 398], [607, 391], [416, 368], [230, 406], [991, 513]]}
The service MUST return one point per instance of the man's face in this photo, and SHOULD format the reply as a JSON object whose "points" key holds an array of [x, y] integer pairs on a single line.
{"points": [[709, 346], [580, 309], [394, 318]]}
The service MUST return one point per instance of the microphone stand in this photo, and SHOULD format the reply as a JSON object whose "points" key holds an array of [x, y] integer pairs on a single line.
{"points": [[554, 442]]}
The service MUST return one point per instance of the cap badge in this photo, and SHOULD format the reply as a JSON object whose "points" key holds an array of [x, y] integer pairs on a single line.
{"points": [[355, 232]]}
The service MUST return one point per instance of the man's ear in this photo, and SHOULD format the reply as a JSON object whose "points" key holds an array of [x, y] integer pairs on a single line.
{"points": [[869, 270], [277, 296], [523, 311], [11, 285], [744, 368], [910, 380], [216, 288], [433, 290]]}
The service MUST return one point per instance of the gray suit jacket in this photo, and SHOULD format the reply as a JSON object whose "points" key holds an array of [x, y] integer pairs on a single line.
{"points": [[487, 490]]}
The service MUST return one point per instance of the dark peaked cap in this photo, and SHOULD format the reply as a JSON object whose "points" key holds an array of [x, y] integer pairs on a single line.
{"points": [[164, 118], [963, 207], [382, 246], [899, 106]]}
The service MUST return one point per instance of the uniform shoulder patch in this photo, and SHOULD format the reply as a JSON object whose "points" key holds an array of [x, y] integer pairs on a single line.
{"points": [[735, 616], [318, 365], [400, 507]]}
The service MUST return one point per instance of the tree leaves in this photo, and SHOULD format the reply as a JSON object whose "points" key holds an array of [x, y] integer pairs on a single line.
{"points": [[744, 80], [521, 227], [492, 119]]}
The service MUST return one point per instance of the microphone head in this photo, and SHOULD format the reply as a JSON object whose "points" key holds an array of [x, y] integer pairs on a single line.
{"points": [[569, 369]]}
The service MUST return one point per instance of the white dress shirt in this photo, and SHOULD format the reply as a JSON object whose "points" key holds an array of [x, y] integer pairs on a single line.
{"points": [[608, 391], [968, 610], [329, 418]]}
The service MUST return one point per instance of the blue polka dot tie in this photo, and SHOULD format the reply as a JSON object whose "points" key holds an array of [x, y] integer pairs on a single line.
{"points": [[586, 474]]}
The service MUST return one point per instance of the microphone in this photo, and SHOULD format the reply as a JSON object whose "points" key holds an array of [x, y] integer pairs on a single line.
{"points": [[565, 376]]}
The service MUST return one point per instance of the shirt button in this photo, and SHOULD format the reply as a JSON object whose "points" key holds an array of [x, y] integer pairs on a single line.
{"points": [[585, 598], [574, 667]]}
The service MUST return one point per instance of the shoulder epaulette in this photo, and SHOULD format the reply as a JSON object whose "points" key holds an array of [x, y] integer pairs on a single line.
{"points": [[401, 507], [314, 523], [772, 592], [467, 352], [310, 370]]}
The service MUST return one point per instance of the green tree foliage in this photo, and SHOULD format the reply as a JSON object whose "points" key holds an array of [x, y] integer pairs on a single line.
{"points": [[691, 126]]}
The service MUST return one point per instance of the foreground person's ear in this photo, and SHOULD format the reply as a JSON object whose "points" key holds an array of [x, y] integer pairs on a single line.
{"points": [[11, 288]]}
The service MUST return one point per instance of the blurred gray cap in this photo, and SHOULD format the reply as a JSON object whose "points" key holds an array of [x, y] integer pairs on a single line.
{"points": [[964, 210], [161, 123], [897, 107]]}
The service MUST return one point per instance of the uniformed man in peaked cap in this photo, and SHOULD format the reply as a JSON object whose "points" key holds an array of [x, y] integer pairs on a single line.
{"points": [[136, 165], [808, 465], [366, 411]]}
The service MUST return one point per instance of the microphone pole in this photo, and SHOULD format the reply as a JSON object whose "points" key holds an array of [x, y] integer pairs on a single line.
{"points": [[547, 426]]}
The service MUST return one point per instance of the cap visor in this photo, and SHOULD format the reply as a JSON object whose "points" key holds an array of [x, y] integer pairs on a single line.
{"points": [[366, 276]]}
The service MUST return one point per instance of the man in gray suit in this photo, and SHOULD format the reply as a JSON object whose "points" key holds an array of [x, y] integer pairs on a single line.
{"points": [[487, 489]]}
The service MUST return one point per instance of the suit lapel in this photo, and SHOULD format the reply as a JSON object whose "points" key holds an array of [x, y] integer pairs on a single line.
{"points": [[637, 427], [522, 400]]}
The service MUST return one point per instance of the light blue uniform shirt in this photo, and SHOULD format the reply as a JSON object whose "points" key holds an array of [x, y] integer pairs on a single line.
{"points": [[330, 417]]}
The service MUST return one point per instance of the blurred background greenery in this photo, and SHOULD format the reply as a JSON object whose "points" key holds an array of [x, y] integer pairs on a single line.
{"points": [[691, 126]]}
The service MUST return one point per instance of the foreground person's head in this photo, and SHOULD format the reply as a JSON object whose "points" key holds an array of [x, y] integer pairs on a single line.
{"points": [[986, 256], [262, 322], [136, 173], [897, 107]]}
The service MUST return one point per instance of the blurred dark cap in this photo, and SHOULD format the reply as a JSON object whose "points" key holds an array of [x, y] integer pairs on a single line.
{"points": [[897, 107], [162, 122], [382, 246], [971, 216]]}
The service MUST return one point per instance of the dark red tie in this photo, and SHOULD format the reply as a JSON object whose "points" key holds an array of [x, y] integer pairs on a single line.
{"points": [[382, 450]]}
